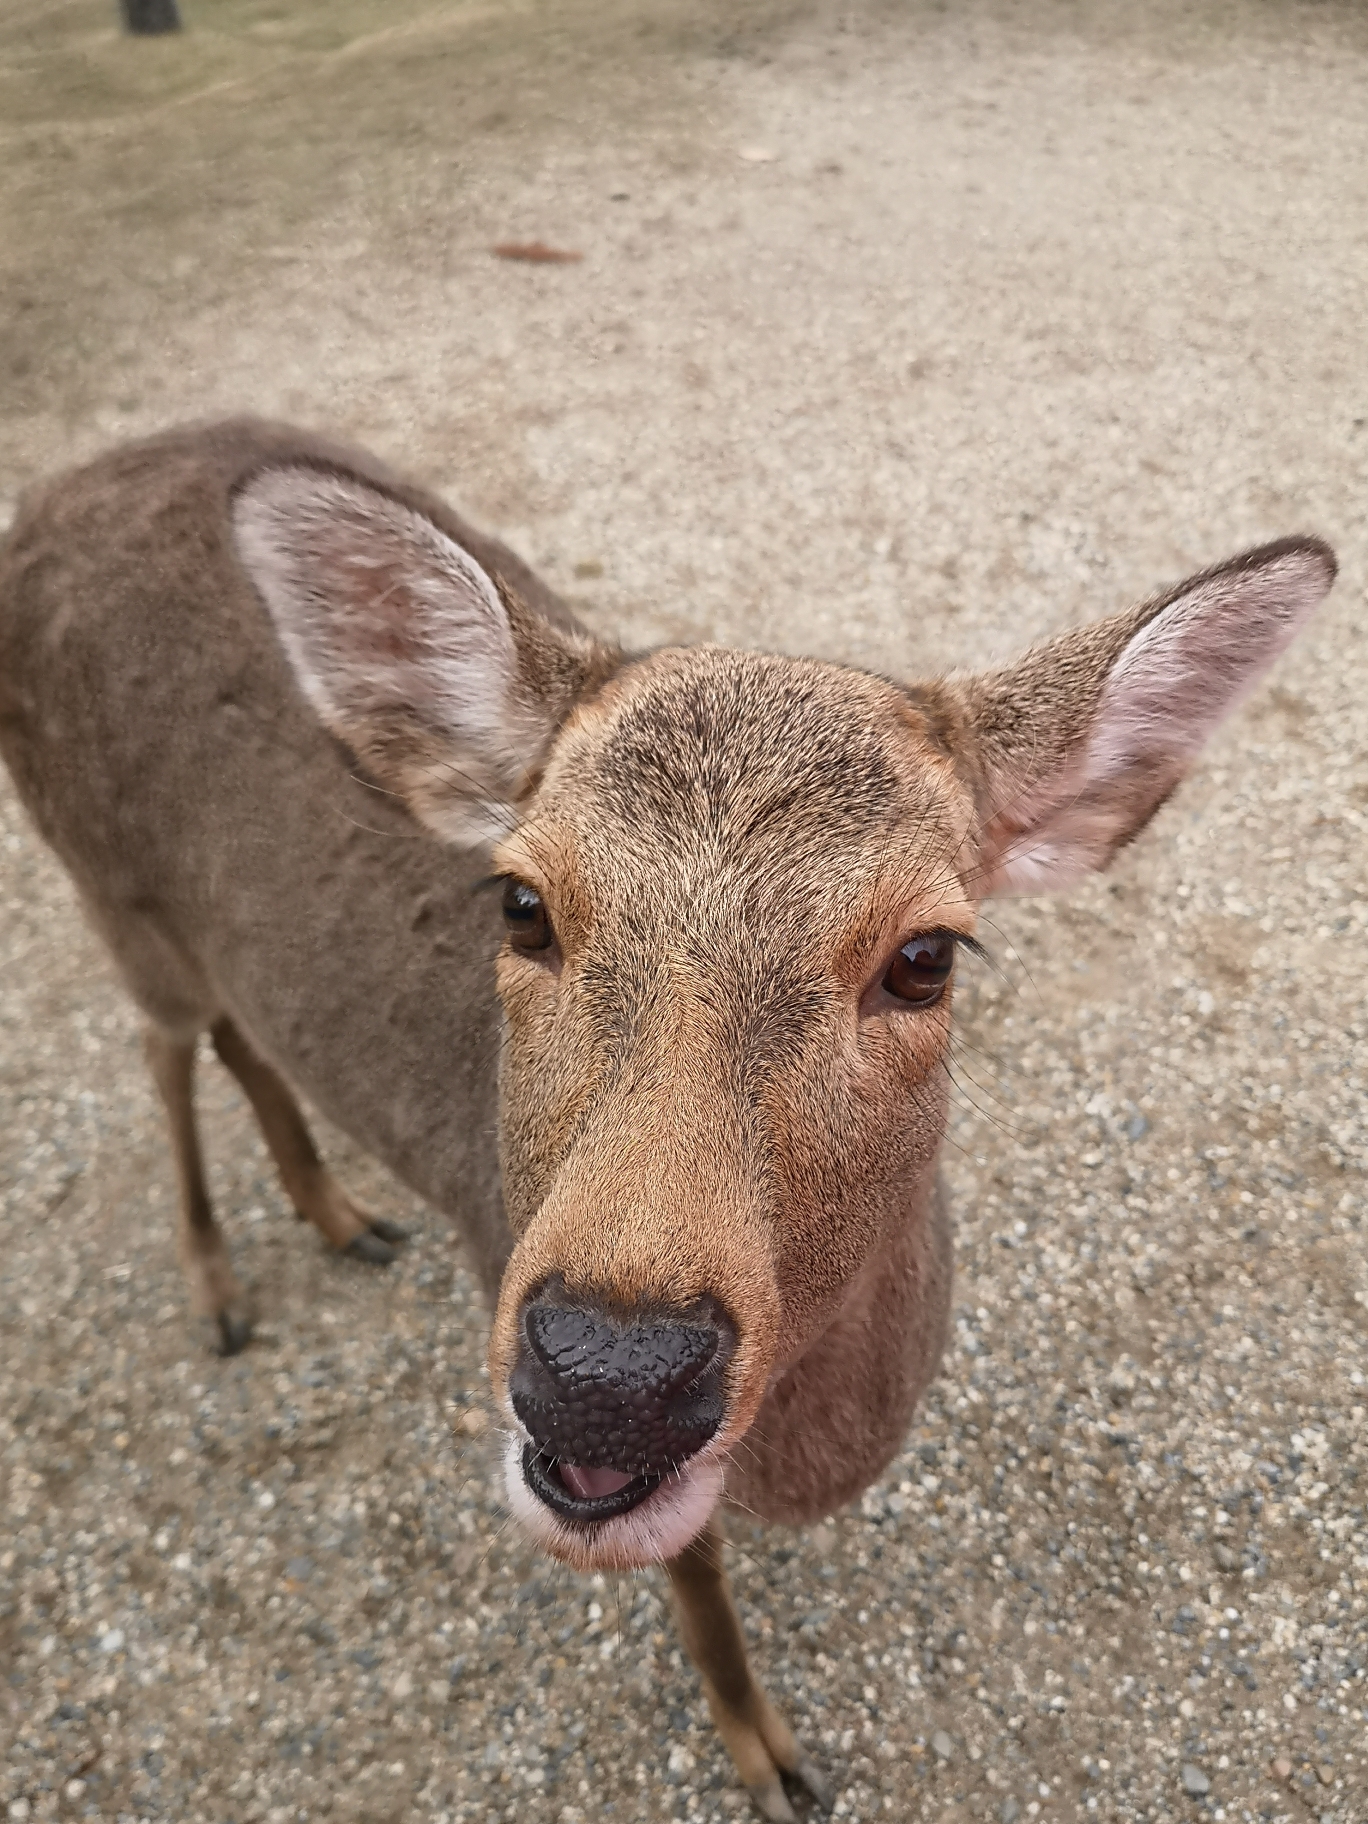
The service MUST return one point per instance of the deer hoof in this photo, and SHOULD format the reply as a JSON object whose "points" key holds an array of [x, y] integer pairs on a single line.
{"points": [[228, 1331], [371, 1246], [388, 1231], [809, 1778], [771, 1801]]}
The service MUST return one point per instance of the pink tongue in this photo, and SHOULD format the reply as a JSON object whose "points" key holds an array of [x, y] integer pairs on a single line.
{"points": [[592, 1484]]}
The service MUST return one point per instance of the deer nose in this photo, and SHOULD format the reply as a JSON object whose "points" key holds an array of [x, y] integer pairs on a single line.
{"points": [[614, 1401]]}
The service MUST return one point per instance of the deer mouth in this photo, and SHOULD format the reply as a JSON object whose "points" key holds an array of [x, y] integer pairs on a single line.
{"points": [[607, 1519], [583, 1495]]}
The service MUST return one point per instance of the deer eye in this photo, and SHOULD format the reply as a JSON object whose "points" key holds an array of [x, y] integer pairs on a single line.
{"points": [[528, 926], [920, 970]]}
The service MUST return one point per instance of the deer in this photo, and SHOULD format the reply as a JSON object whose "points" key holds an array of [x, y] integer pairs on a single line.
{"points": [[638, 965]]}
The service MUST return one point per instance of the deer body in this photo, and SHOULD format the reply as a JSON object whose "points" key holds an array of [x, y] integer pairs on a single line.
{"points": [[684, 1090], [161, 745]]}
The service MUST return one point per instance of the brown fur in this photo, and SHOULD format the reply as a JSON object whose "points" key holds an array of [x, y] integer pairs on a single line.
{"points": [[702, 1087], [697, 1039], [229, 852]]}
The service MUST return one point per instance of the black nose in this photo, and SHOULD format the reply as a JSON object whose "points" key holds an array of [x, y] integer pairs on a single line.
{"points": [[598, 1390]]}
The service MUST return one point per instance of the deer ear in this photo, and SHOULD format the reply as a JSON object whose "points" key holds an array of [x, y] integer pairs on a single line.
{"points": [[443, 685], [1077, 745]]}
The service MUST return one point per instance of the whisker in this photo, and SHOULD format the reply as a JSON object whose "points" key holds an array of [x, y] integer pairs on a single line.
{"points": [[1003, 1127], [983, 1087], [960, 1042]]}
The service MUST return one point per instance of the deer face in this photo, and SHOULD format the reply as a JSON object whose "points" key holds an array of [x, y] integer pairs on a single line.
{"points": [[733, 909], [734, 888]]}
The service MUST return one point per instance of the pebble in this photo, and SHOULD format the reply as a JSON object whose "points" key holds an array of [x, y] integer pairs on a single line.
{"points": [[1195, 1781]]}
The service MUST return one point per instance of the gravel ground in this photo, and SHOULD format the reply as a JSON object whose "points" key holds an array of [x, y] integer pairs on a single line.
{"points": [[902, 333]]}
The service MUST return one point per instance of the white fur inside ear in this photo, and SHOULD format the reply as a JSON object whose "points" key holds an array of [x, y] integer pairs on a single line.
{"points": [[1174, 682], [396, 636], [1194, 663]]}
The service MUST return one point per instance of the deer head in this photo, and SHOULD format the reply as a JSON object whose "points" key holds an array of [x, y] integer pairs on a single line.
{"points": [[735, 886]]}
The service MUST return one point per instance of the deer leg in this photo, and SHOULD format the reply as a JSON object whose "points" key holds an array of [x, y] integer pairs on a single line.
{"points": [[310, 1186], [215, 1295], [764, 1748]]}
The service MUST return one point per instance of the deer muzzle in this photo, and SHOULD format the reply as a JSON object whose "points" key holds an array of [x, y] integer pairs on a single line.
{"points": [[614, 1402]]}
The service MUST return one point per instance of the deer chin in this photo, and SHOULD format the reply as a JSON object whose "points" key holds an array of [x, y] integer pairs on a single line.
{"points": [[658, 1527]]}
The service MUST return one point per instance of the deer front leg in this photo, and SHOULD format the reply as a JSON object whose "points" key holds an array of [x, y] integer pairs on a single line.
{"points": [[309, 1185], [758, 1739], [215, 1295]]}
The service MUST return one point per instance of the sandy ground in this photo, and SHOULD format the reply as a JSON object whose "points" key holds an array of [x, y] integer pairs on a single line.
{"points": [[902, 334]]}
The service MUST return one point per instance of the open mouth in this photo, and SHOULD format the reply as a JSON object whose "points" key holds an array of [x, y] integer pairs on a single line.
{"points": [[606, 1519], [585, 1495]]}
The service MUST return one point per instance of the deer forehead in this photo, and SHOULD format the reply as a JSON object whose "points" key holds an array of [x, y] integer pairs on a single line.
{"points": [[733, 790]]}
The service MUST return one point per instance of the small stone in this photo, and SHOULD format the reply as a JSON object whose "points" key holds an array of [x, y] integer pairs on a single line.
{"points": [[1282, 1768], [112, 1640], [941, 1745], [1195, 1782], [1011, 1811], [1225, 1558], [1325, 1774], [756, 155]]}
